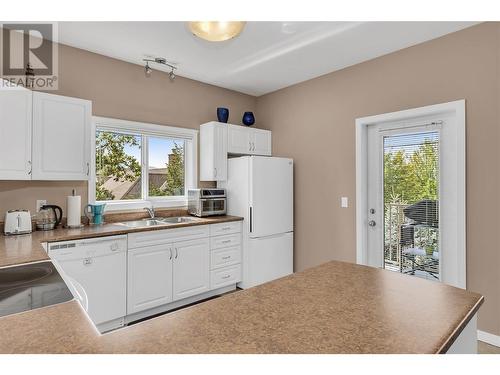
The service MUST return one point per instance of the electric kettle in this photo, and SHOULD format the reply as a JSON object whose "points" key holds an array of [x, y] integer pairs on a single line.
{"points": [[49, 217]]}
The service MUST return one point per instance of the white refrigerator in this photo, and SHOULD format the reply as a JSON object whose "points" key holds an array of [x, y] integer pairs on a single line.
{"points": [[260, 189]]}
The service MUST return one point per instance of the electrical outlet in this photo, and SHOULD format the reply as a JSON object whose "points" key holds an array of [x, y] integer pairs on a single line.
{"points": [[40, 203]]}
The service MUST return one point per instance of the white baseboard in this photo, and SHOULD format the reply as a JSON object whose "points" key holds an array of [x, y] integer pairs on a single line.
{"points": [[488, 338]]}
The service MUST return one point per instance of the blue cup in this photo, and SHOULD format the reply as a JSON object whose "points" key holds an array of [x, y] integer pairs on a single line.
{"points": [[95, 213]]}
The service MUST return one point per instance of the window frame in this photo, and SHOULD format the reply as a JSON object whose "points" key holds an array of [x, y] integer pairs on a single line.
{"points": [[145, 130]]}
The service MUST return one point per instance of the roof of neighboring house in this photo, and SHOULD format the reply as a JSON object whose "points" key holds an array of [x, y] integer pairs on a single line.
{"points": [[121, 188]]}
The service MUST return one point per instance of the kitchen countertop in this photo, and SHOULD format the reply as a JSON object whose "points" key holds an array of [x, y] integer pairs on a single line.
{"points": [[333, 308], [27, 248]]}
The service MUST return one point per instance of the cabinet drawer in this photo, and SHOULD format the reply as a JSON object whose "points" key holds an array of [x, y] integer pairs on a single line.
{"points": [[225, 276], [225, 257], [225, 241], [225, 228], [158, 237]]}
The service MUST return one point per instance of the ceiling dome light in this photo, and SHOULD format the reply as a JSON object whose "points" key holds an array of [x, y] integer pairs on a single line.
{"points": [[216, 31]]}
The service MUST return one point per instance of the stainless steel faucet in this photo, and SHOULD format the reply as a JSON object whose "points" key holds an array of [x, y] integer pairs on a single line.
{"points": [[151, 211]]}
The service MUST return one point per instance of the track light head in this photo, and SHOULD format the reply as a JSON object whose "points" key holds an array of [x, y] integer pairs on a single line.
{"points": [[147, 70], [171, 75]]}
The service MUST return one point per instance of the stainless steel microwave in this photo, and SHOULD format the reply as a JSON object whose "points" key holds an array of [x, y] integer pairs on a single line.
{"points": [[207, 202]]}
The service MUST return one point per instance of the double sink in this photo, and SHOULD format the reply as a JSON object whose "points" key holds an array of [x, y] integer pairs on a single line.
{"points": [[158, 221]]}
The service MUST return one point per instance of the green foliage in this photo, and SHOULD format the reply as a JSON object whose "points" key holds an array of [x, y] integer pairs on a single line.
{"points": [[113, 161], [411, 178], [175, 171]]}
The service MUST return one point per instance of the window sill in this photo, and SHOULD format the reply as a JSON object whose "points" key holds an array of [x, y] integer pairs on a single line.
{"points": [[141, 204]]}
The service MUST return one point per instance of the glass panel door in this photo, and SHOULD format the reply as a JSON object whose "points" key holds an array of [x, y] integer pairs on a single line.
{"points": [[411, 203]]}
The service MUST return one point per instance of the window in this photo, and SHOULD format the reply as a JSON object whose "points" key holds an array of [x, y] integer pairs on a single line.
{"points": [[139, 164]]}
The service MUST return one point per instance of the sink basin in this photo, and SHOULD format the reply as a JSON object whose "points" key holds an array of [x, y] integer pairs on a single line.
{"points": [[158, 221], [142, 223], [178, 219]]}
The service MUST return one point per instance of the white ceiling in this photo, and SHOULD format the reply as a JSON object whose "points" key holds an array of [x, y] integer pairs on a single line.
{"points": [[267, 56]]}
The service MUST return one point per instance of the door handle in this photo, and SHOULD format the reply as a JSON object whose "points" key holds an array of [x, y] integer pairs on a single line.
{"points": [[372, 223], [250, 220], [88, 168]]}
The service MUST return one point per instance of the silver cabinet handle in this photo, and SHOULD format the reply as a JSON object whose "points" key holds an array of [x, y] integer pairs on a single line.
{"points": [[170, 249], [372, 223], [88, 168], [226, 277], [176, 253], [226, 241], [253, 146], [226, 257], [249, 146], [225, 228], [215, 172]]}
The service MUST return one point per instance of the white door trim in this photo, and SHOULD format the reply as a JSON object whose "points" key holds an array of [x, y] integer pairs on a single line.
{"points": [[457, 110]]}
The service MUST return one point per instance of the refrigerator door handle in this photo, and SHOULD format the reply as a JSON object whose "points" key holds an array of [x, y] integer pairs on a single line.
{"points": [[250, 220]]}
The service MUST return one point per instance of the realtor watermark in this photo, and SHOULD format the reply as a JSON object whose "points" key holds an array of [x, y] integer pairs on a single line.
{"points": [[29, 55]]}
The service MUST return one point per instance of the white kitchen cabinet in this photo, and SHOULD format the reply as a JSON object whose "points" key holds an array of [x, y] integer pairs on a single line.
{"points": [[248, 141], [61, 137], [15, 133], [213, 151], [149, 280], [217, 140], [261, 142], [191, 268], [239, 140]]}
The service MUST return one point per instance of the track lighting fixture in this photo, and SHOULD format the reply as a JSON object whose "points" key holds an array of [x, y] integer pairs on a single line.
{"points": [[159, 60]]}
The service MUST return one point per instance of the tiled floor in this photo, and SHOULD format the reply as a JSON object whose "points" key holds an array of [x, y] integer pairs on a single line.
{"points": [[483, 348]]}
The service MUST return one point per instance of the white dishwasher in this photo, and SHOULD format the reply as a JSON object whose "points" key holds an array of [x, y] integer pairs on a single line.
{"points": [[96, 271]]}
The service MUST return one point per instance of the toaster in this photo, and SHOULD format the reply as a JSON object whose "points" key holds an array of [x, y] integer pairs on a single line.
{"points": [[17, 222]]}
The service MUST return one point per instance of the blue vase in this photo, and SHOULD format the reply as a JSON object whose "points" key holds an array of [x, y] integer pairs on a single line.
{"points": [[248, 119], [222, 114]]}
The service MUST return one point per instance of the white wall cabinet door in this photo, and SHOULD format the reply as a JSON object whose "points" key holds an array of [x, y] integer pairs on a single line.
{"points": [[191, 268], [261, 142], [15, 133], [149, 282], [248, 141], [239, 140], [61, 137], [213, 151]]}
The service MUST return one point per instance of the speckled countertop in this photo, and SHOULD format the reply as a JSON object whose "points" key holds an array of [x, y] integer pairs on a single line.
{"points": [[333, 308], [27, 247]]}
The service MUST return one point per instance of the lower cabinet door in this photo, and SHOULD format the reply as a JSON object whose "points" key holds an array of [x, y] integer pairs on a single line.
{"points": [[191, 268], [149, 277]]}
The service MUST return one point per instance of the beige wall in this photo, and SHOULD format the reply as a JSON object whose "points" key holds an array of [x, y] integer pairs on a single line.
{"points": [[120, 90], [313, 122]]}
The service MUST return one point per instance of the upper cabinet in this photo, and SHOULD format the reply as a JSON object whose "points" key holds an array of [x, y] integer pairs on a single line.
{"points": [[43, 136], [213, 151], [248, 141], [61, 137], [15, 133], [218, 139]]}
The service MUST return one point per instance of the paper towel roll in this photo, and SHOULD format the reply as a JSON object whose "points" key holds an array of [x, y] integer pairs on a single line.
{"points": [[74, 204]]}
